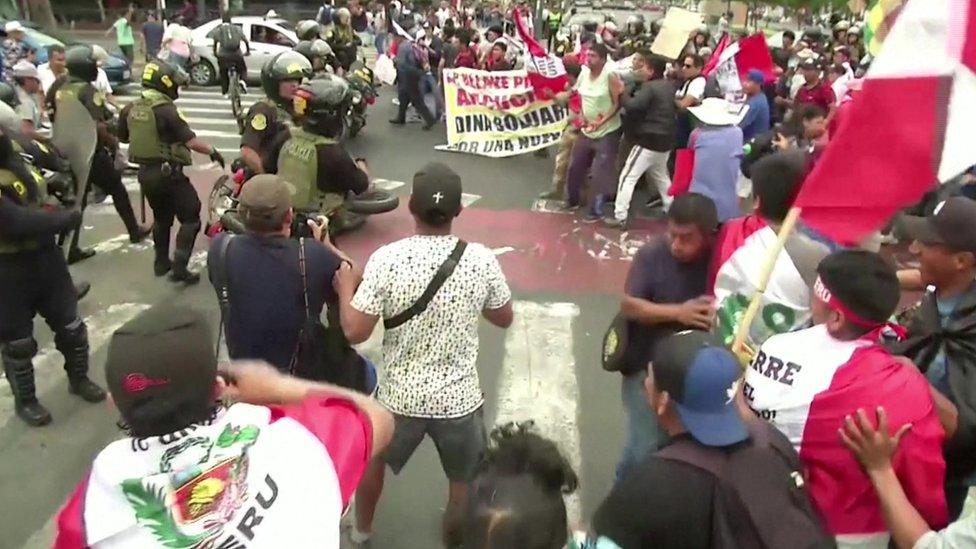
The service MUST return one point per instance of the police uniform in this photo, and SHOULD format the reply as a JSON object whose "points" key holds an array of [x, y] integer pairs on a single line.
{"points": [[103, 173], [265, 130], [34, 279], [157, 135]]}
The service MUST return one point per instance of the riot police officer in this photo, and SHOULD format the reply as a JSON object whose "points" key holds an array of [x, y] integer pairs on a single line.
{"points": [[82, 70], [636, 36], [34, 280], [160, 141], [268, 120], [312, 160], [308, 29], [319, 54]]}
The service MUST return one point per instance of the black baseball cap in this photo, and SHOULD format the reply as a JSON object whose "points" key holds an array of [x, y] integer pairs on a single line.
{"points": [[952, 223], [163, 357], [436, 196], [863, 282], [701, 376]]}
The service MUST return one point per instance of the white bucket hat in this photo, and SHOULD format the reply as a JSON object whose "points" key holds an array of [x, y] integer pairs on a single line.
{"points": [[715, 111], [13, 26], [25, 69]]}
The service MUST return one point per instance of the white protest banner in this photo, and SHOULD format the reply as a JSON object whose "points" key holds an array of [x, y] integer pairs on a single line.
{"points": [[675, 30], [497, 114]]}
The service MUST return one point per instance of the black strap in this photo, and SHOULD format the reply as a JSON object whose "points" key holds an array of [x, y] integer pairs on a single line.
{"points": [[218, 267], [301, 269], [423, 301]]}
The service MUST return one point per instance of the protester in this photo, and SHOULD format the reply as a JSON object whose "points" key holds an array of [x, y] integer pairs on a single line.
{"points": [[428, 380], [744, 242], [805, 382], [516, 498], [466, 57], [266, 289], [27, 84], [175, 48], [815, 91], [595, 151], [152, 35], [55, 67], [757, 119], [690, 94], [665, 292], [940, 338], [410, 68], [670, 502], [277, 468], [495, 60], [187, 16], [648, 121], [123, 33], [717, 143], [14, 49], [875, 447], [571, 100]]}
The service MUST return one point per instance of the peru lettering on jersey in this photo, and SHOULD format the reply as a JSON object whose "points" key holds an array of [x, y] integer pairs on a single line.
{"points": [[806, 382], [254, 476], [741, 250]]}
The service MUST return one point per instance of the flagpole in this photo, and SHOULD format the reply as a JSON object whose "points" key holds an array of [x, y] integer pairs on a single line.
{"points": [[739, 347]]}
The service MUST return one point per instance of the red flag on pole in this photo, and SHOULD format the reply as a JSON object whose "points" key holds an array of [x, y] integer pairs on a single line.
{"points": [[546, 71], [713, 61], [909, 128]]}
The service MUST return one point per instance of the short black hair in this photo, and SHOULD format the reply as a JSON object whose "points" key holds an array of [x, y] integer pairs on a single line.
{"points": [[838, 70], [655, 61], [789, 34], [601, 50], [694, 209], [501, 45], [495, 29], [573, 69], [696, 60], [776, 179], [809, 111], [55, 48], [516, 497]]}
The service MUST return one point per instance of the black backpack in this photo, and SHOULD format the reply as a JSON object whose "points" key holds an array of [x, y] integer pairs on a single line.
{"points": [[227, 39], [761, 501]]}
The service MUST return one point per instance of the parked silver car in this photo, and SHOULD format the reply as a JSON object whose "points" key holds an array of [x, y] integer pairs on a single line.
{"points": [[267, 37]]}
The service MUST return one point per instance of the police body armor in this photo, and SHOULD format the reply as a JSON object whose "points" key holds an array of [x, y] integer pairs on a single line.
{"points": [[10, 182], [145, 146], [298, 164], [555, 19]]}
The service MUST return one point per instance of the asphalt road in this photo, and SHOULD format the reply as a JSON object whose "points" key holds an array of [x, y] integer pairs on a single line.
{"points": [[566, 277]]}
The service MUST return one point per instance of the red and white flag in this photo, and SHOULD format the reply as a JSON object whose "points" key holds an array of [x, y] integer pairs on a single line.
{"points": [[805, 383], [731, 62], [909, 129], [546, 72]]}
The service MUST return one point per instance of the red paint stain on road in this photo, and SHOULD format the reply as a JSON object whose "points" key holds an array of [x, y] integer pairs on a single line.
{"points": [[538, 251]]}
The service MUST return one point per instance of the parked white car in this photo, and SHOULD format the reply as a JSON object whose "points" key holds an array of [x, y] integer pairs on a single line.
{"points": [[267, 36]]}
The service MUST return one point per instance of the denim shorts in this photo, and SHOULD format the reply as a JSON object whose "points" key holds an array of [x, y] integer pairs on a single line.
{"points": [[460, 442]]}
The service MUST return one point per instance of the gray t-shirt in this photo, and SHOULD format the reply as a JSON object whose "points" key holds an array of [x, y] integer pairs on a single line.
{"points": [[9, 119], [28, 109]]}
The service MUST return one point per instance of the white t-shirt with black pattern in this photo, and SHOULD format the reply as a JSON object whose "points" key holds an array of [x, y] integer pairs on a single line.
{"points": [[428, 365]]}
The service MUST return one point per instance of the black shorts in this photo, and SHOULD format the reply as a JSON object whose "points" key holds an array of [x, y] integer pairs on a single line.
{"points": [[460, 442]]}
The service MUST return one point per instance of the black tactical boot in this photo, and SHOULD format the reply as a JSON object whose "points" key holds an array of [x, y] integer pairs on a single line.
{"points": [[19, 370], [185, 238], [162, 264], [79, 254], [72, 342]]}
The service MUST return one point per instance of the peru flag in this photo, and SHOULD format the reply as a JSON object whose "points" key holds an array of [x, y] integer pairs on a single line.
{"points": [[546, 71], [909, 129], [731, 61], [805, 383]]}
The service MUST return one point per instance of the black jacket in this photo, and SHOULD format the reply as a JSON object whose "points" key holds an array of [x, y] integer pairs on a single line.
{"points": [[648, 115], [958, 339]]}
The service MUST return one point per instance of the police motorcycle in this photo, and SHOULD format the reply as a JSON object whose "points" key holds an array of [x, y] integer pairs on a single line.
{"points": [[362, 83]]}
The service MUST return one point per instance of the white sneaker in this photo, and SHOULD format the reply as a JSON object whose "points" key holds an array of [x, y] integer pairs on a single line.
{"points": [[396, 101], [359, 537], [243, 87]]}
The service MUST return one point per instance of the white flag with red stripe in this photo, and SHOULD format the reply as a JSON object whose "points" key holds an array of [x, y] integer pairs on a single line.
{"points": [[909, 128], [546, 72]]}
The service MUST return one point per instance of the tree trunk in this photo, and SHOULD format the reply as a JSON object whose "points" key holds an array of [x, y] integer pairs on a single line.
{"points": [[42, 13]]}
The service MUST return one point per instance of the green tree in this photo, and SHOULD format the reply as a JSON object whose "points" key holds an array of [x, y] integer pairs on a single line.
{"points": [[41, 13]]}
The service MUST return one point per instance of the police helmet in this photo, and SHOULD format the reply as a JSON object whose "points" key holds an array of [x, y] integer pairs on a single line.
{"points": [[314, 49], [81, 63], [307, 29], [8, 95], [635, 25], [287, 65], [322, 102], [163, 77]]}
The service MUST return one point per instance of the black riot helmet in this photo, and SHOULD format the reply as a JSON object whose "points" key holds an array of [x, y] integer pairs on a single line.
{"points": [[287, 65], [8, 95], [314, 49], [308, 29], [81, 63], [163, 77], [635, 25], [322, 103]]}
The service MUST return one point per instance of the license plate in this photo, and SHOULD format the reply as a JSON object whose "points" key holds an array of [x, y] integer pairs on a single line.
{"points": [[126, 74]]}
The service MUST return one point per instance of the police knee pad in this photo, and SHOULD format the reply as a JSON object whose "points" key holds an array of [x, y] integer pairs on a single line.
{"points": [[19, 349], [73, 333]]}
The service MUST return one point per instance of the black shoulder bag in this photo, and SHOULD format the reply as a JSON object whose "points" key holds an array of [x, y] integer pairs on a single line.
{"points": [[323, 353], [218, 266], [441, 276]]}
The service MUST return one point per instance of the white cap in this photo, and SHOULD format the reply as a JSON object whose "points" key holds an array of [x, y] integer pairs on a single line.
{"points": [[13, 26], [715, 111], [25, 69]]}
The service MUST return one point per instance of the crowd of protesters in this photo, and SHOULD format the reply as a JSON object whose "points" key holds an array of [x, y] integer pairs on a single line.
{"points": [[845, 430]]}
